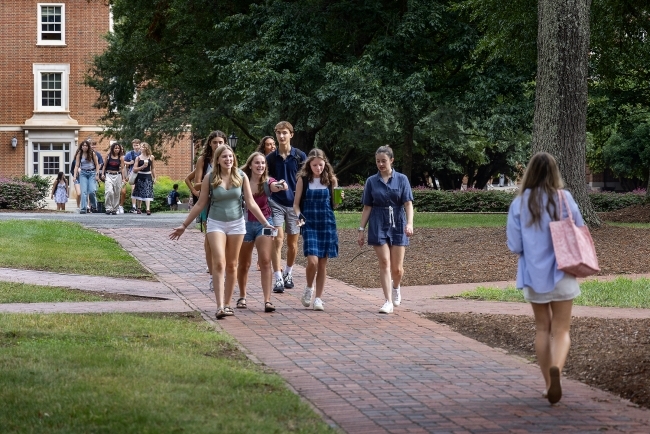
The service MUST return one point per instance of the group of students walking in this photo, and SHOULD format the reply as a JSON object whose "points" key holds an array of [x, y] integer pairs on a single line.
{"points": [[287, 194], [89, 167]]}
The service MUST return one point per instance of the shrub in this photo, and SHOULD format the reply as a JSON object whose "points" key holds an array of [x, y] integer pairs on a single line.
{"points": [[161, 189], [15, 194], [427, 200], [609, 201]]}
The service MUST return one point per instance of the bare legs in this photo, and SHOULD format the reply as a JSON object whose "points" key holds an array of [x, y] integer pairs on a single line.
{"points": [[208, 254], [225, 252], [552, 340], [264, 252], [316, 268], [292, 249], [391, 266]]}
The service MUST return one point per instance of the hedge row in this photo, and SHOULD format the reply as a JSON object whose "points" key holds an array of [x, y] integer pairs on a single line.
{"points": [[21, 195], [425, 200]]}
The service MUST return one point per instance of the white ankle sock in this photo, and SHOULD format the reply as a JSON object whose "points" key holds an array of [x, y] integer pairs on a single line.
{"points": [[287, 269], [277, 275]]}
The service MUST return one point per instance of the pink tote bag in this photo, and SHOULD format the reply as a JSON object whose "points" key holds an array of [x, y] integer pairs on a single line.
{"points": [[574, 249]]}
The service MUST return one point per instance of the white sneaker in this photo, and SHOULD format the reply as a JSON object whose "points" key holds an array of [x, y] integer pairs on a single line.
{"points": [[120, 210], [397, 296], [318, 304], [387, 307], [306, 296]]}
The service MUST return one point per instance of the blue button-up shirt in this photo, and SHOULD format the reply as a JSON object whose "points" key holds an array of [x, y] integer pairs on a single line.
{"points": [[287, 169], [537, 267]]}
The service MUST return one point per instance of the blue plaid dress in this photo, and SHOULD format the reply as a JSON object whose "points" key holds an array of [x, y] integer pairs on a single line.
{"points": [[319, 236]]}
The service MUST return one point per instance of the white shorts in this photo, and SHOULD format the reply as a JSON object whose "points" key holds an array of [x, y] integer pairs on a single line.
{"points": [[566, 289], [235, 227]]}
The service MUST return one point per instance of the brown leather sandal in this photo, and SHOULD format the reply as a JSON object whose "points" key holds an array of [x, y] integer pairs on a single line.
{"points": [[241, 303], [268, 307]]}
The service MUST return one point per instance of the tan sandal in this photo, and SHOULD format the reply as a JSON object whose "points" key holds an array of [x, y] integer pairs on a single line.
{"points": [[268, 307]]}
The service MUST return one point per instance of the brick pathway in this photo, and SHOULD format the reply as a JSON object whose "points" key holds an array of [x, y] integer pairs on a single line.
{"points": [[371, 373], [366, 372]]}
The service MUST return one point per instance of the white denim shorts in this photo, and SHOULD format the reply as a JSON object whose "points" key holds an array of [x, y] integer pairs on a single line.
{"points": [[566, 289], [235, 227]]}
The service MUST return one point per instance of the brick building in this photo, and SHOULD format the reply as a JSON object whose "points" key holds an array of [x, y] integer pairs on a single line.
{"points": [[45, 109]]}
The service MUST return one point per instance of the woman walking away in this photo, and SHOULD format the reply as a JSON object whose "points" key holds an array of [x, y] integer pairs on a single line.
{"points": [[549, 290], [143, 166], [114, 178], [87, 171], [388, 210], [60, 191], [314, 198], [262, 186], [226, 227]]}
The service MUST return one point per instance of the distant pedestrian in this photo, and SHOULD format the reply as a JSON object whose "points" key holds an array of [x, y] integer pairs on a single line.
{"points": [[314, 206], [60, 191], [549, 290], [266, 146], [144, 167], [129, 161], [113, 174], [388, 210], [87, 171], [173, 198]]}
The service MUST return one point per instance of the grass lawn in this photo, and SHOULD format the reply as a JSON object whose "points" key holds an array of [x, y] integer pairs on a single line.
{"points": [[126, 373], [621, 292], [64, 247], [350, 220], [630, 225], [23, 293]]}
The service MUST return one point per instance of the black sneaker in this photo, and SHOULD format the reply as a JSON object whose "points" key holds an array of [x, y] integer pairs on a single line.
{"points": [[133, 211], [288, 280], [279, 285]]}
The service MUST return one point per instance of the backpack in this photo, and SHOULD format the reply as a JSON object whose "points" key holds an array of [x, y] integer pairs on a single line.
{"points": [[170, 198]]}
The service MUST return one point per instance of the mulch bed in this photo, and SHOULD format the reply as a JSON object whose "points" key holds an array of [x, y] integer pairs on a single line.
{"points": [[610, 354]]}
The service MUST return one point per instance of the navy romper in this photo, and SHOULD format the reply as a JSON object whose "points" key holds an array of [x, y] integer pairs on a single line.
{"points": [[387, 221]]}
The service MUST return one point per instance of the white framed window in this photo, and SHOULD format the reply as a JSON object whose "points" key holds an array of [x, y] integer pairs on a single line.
{"points": [[51, 24], [51, 87]]}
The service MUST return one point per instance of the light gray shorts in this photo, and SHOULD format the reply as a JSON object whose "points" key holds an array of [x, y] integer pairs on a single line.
{"points": [[284, 214], [236, 227], [566, 289]]}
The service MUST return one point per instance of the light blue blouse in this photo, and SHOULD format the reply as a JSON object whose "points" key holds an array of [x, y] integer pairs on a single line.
{"points": [[537, 267]]}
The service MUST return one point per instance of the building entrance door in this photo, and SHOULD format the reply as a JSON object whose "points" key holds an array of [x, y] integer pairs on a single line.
{"points": [[50, 164]]}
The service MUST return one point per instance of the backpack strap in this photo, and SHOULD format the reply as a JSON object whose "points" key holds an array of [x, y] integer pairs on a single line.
{"points": [[267, 189]]}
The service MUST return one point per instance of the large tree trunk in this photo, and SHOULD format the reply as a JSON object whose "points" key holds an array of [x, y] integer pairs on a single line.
{"points": [[559, 125]]}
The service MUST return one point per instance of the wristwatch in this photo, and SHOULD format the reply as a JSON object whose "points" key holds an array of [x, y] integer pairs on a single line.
{"points": [[361, 229]]}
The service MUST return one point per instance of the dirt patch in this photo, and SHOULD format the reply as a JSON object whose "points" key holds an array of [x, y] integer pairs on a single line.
{"points": [[442, 256], [115, 297], [611, 354], [631, 214]]}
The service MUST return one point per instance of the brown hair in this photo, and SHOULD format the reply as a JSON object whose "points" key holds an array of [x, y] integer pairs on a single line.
{"points": [[327, 178], [282, 125], [248, 170], [541, 176], [262, 146], [145, 146], [216, 169]]}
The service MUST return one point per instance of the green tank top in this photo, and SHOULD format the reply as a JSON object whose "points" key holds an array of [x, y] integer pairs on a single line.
{"points": [[226, 205]]}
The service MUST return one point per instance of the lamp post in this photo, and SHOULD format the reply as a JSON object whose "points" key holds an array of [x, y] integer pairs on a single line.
{"points": [[14, 142], [232, 141]]}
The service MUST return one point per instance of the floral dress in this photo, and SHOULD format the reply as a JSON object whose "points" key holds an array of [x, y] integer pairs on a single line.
{"points": [[143, 188], [61, 193]]}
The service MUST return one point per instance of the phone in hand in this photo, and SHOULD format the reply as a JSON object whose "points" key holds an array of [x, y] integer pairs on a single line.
{"points": [[270, 232]]}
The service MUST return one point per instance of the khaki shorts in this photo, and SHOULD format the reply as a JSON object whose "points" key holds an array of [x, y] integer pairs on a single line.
{"points": [[566, 289], [285, 215]]}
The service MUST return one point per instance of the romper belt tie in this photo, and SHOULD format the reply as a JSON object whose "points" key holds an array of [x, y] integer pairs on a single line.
{"points": [[391, 217]]}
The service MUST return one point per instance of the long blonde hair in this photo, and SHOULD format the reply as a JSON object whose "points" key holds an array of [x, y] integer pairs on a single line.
{"points": [[248, 170], [541, 175], [144, 146], [235, 178]]}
